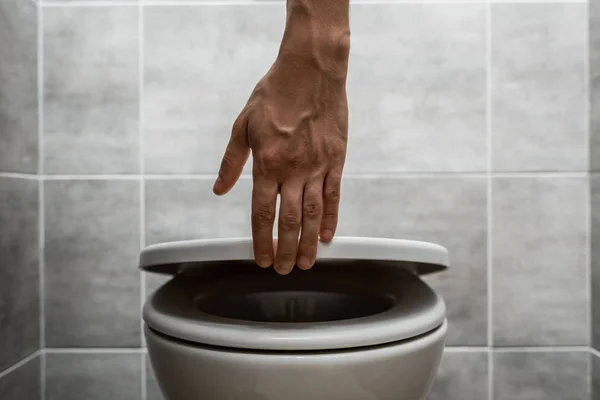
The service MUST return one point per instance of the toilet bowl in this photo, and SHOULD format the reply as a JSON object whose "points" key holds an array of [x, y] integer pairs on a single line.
{"points": [[360, 325]]}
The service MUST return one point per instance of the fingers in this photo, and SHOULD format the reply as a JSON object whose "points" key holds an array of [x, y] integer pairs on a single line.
{"points": [[235, 158], [290, 219], [312, 211], [331, 203], [264, 200]]}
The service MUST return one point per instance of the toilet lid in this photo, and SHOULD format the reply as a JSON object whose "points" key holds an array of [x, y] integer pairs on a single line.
{"points": [[174, 257]]}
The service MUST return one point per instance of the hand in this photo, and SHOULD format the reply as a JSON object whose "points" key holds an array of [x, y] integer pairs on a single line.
{"points": [[296, 125]]}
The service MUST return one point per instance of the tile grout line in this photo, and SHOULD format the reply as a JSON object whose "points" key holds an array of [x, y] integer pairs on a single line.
{"points": [[588, 211], [20, 363], [94, 350], [349, 175], [19, 175], [542, 349], [142, 194], [201, 3], [489, 204], [41, 199]]}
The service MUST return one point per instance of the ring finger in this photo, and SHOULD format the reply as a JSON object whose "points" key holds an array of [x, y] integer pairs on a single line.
{"points": [[312, 211], [290, 219]]}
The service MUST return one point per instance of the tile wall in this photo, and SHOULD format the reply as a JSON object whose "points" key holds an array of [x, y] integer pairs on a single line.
{"points": [[594, 77], [20, 301], [468, 127]]}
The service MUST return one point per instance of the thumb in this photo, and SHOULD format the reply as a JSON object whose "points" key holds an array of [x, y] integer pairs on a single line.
{"points": [[234, 159]]}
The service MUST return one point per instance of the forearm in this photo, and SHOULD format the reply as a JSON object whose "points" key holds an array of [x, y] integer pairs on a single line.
{"points": [[317, 34]]}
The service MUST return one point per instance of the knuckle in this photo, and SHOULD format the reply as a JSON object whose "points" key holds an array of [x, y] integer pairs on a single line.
{"points": [[329, 215], [289, 222], [263, 216], [312, 210], [332, 193], [309, 245], [337, 149], [270, 159], [329, 218]]}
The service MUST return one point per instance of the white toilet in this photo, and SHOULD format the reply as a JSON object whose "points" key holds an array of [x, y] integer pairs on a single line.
{"points": [[360, 325]]}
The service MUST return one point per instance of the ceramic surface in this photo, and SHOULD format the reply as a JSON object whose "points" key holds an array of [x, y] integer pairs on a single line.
{"points": [[401, 371]]}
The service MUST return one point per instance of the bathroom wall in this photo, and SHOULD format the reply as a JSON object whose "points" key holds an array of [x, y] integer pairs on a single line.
{"points": [[468, 127], [20, 346], [594, 56]]}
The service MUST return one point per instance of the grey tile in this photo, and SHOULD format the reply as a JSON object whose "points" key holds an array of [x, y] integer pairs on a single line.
{"points": [[539, 261], [595, 258], [91, 253], [594, 60], [93, 376], [462, 376], [91, 86], [199, 72], [541, 376], [538, 87], [595, 142], [23, 383], [188, 209], [19, 270], [18, 80], [448, 211], [153, 391], [416, 88]]}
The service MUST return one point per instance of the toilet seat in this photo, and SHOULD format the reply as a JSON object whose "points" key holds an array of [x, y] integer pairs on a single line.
{"points": [[380, 272]]}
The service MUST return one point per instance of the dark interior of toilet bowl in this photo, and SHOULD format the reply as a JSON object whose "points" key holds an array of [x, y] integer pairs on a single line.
{"points": [[294, 306], [320, 295]]}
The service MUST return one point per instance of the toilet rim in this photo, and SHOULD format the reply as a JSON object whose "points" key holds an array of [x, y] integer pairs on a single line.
{"points": [[423, 314], [172, 312]]}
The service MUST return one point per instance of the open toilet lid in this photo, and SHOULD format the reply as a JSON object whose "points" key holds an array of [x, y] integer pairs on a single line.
{"points": [[172, 257]]}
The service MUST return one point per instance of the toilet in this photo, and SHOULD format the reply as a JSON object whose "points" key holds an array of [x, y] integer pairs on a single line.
{"points": [[360, 325]]}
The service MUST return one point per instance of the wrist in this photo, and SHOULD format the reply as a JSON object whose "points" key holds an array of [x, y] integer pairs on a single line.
{"points": [[317, 34]]}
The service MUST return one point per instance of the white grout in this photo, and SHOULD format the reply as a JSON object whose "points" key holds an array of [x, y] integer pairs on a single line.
{"points": [[349, 175], [587, 86], [17, 175], [210, 3], [466, 349], [41, 197], [19, 364], [542, 349], [94, 350], [588, 211], [489, 204], [141, 45]]}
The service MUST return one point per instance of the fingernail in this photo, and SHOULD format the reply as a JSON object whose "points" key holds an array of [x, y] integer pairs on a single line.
{"points": [[327, 235], [283, 270], [264, 261], [304, 262]]}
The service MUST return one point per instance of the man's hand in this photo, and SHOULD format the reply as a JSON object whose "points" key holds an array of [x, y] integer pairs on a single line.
{"points": [[296, 125]]}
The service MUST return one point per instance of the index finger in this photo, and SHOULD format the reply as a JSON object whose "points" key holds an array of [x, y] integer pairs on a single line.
{"points": [[264, 201]]}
